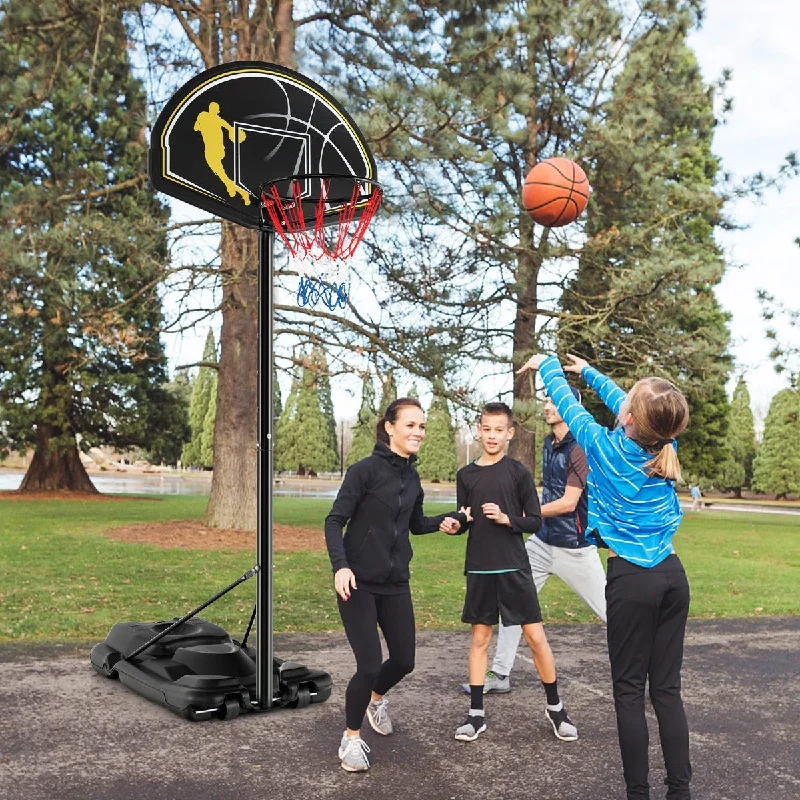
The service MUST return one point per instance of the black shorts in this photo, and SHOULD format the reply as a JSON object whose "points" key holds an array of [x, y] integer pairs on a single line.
{"points": [[510, 595]]}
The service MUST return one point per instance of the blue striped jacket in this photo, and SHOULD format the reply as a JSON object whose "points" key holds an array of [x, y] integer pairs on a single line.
{"points": [[635, 514]]}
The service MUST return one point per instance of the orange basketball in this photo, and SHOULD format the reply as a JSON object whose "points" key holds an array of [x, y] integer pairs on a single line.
{"points": [[556, 191]]}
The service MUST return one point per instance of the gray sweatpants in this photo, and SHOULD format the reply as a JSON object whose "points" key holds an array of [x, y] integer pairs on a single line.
{"points": [[580, 569]]}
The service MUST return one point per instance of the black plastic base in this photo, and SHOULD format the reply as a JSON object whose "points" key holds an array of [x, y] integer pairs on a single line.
{"points": [[199, 672]]}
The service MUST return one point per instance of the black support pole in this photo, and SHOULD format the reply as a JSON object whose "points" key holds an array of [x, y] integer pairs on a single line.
{"points": [[265, 691]]}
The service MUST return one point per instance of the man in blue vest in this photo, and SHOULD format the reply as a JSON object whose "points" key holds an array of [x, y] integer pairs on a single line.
{"points": [[559, 548]]}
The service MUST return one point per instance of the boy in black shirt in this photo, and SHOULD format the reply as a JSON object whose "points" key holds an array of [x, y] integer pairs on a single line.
{"points": [[502, 503]]}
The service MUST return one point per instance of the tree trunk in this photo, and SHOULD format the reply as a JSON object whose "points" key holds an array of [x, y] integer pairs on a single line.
{"points": [[234, 486], [53, 469], [284, 33], [233, 500], [523, 446]]}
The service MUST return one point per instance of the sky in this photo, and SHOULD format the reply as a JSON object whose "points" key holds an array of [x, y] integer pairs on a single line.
{"points": [[754, 41]]}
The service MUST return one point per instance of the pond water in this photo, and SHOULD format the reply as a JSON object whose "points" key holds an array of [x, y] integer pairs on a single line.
{"points": [[129, 483], [199, 483]]}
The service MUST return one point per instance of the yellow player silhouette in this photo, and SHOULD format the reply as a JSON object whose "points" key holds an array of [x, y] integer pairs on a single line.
{"points": [[211, 126]]}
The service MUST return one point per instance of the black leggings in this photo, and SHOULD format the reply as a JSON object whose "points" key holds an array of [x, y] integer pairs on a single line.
{"points": [[647, 610], [361, 615]]}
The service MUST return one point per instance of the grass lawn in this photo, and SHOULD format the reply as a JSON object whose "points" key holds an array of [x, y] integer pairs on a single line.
{"points": [[62, 579]]}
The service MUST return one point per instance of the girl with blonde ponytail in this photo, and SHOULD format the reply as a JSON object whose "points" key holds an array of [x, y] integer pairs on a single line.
{"points": [[634, 512], [653, 413]]}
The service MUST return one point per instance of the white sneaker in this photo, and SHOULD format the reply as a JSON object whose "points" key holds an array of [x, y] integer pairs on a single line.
{"points": [[562, 724], [353, 754], [471, 729], [378, 716]]}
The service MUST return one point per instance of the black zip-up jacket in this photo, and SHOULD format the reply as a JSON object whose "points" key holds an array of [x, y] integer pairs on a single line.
{"points": [[379, 501]]}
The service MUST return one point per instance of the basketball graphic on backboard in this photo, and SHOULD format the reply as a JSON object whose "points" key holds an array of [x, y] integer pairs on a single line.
{"points": [[212, 127]]}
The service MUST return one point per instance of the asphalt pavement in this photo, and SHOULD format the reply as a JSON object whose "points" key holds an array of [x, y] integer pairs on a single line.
{"points": [[67, 732]]}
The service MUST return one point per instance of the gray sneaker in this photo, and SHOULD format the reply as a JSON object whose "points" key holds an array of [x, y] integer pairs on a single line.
{"points": [[562, 724], [353, 754], [471, 729], [492, 684], [378, 716]]}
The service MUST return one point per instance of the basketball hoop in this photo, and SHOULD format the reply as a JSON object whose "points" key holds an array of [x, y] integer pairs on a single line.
{"points": [[345, 203], [329, 225]]}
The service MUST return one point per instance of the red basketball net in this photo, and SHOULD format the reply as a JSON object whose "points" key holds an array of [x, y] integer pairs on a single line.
{"points": [[288, 217]]}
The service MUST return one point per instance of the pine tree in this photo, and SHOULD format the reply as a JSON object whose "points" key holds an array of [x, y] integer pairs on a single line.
{"points": [[742, 431], [438, 460], [82, 242], [364, 430], [277, 404], [203, 397], [704, 446], [737, 469], [319, 364], [308, 448], [532, 420], [474, 95], [209, 421], [285, 431], [165, 447], [653, 216], [388, 392], [776, 467]]}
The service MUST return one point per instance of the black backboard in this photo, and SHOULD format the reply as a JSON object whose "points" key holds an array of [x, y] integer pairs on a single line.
{"points": [[235, 126]]}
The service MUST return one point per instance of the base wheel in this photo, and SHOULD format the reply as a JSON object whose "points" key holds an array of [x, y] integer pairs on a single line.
{"points": [[230, 710], [303, 698]]}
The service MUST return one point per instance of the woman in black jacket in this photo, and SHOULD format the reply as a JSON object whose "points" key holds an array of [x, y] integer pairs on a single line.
{"points": [[379, 501]]}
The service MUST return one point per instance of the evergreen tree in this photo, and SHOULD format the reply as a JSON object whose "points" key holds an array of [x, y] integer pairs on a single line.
{"points": [[704, 445], [438, 460], [207, 434], [474, 96], [364, 430], [277, 404], [308, 448], [203, 397], [165, 447], [319, 364], [285, 431], [534, 424], [388, 392], [737, 469], [776, 467], [653, 216], [82, 242], [412, 392]]}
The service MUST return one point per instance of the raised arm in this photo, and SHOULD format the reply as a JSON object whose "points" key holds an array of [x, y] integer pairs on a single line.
{"points": [[580, 422], [608, 391]]}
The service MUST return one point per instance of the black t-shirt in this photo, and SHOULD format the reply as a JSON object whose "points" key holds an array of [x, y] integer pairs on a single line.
{"points": [[509, 484]]}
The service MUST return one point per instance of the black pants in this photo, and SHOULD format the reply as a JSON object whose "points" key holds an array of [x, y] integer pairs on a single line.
{"points": [[647, 610], [361, 615]]}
